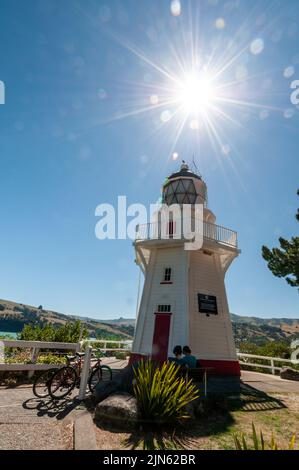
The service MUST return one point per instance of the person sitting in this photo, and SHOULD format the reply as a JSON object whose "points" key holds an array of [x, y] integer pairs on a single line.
{"points": [[188, 360], [178, 357]]}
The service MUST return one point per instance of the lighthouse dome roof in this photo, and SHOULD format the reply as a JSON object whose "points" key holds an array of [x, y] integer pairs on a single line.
{"points": [[184, 173], [184, 187]]}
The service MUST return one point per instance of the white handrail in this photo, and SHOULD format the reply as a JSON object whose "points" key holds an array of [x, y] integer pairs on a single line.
{"points": [[35, 347], [104, 342], [155, 230], [267, 358]]}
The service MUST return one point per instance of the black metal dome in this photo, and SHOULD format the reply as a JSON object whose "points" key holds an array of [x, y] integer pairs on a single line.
{"points": [[179, 187], [185, 173]]}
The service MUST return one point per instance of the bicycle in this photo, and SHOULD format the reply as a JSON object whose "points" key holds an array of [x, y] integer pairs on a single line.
{"points": [[41, 383], [64, 380]]}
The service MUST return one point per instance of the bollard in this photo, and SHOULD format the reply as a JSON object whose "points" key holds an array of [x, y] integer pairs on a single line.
{"points": [[85, 373]]}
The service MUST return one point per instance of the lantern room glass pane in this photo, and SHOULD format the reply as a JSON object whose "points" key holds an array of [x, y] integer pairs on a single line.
{"points": [[180, 192]]}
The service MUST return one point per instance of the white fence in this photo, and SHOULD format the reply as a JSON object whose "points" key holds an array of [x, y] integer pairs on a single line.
{"points": [[245, 361], [35, 347], [122, 346]]}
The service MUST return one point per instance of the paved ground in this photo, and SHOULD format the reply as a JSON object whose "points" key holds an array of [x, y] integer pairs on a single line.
{"points": [[269, 383], [27, 422], [24, 417]]}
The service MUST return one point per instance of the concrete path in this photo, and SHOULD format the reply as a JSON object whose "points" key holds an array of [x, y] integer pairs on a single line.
{"points": [[27, 422], [269, 383]]}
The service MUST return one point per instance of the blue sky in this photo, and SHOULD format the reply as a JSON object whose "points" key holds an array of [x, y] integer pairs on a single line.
{"points": [[73, 70]]}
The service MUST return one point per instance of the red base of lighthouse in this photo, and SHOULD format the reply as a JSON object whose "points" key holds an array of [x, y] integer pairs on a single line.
{"points": [[231, 368], [218, 367]]}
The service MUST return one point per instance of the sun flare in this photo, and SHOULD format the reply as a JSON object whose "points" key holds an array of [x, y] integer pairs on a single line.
{"points": [[196, 94]]}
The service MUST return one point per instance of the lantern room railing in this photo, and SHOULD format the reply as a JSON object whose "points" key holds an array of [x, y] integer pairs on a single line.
{"points": [[154, 231]]}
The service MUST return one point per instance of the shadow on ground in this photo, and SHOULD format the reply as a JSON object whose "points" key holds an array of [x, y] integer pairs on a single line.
{"points": [[58, 409], [251, 399], [216, 419]]}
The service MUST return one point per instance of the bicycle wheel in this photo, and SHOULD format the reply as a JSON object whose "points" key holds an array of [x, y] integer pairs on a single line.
{"points": [[100, 374], [41, 384], [62, 382]]}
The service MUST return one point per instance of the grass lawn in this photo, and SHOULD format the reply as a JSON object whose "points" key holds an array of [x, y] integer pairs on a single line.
{"points": [[214, 430]]}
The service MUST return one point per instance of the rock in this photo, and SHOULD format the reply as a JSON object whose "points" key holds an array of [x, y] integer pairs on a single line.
{"points": [[104, 389], [120, 409], [289, 374], [122, 382]]}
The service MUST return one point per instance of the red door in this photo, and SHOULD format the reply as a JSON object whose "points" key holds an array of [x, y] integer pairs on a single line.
{"points": [[161, 337]]}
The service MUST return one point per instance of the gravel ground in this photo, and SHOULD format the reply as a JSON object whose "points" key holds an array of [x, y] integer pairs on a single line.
{"points": [[54, 436], [107, 440], [28, 423]]}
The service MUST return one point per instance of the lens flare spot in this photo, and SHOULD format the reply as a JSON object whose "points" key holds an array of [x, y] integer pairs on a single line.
{"points": [[175, 155], [289, 113], [176, 8], [220, 23], [225, 149], [165, 115], [154, 100], [289, 71], [257, 46], [102, 94]]}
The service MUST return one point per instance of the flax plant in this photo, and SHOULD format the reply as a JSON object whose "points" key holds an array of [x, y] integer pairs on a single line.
{"points": [[162, 394]]}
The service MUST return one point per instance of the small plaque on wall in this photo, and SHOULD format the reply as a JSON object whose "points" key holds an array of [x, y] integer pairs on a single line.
{"points": [[207, 304]]}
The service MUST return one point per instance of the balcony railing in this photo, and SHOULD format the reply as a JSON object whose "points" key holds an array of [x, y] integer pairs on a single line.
{"points": [[160, 231]]}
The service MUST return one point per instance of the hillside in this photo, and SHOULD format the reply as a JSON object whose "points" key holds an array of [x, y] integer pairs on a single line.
{"points": [[261, 330], [13, 316]]}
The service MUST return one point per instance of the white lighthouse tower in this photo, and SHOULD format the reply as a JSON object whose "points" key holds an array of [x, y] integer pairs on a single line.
{"points": [[184, 299]]}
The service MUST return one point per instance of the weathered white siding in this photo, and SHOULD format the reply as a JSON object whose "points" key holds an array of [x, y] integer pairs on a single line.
{"points": [[156, 293], [210, 336]]}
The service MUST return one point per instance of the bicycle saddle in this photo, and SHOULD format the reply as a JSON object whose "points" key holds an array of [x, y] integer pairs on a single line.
{"points": [[80, 354], [70, 358]]}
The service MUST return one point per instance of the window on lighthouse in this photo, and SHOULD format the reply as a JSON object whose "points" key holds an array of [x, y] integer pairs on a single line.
{"points": [[164, 308], [167, 274]]}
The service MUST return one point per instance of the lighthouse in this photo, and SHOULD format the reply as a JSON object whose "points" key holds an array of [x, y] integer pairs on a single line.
{"points": [[184, 298]]}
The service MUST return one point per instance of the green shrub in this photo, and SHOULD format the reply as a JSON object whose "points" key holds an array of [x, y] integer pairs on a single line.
{"points": [[162, 395], [259, 442], [68, 333], [121, 355], [51, 359]]}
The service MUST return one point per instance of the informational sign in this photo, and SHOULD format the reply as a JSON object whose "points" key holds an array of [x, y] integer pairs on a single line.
{"points": [[207, 304]]}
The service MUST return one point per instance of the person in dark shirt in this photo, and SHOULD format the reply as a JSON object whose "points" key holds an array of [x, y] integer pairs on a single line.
{"points": [[177, 351], [188, 360]]}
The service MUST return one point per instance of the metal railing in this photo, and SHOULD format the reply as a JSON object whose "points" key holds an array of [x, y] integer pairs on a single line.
{"points": [[162, 230], [122, 346], [272, 360]]}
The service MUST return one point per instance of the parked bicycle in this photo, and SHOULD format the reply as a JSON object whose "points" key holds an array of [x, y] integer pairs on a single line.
{"points": [[58, 383]]}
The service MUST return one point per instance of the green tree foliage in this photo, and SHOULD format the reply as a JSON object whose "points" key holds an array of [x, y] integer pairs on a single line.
{"points": [[271, 349], [67, 333], [100, 333], [284, 261], [162, 394]]}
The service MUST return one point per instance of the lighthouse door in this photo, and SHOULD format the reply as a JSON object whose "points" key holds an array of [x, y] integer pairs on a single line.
{"points": [[161, 336]]}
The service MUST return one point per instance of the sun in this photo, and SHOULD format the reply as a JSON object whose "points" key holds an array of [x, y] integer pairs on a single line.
{"points": [[196, 94]]}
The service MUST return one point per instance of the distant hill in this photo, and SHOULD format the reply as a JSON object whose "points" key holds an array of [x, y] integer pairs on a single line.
{"points": [[261, 330], [13, 316]]}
